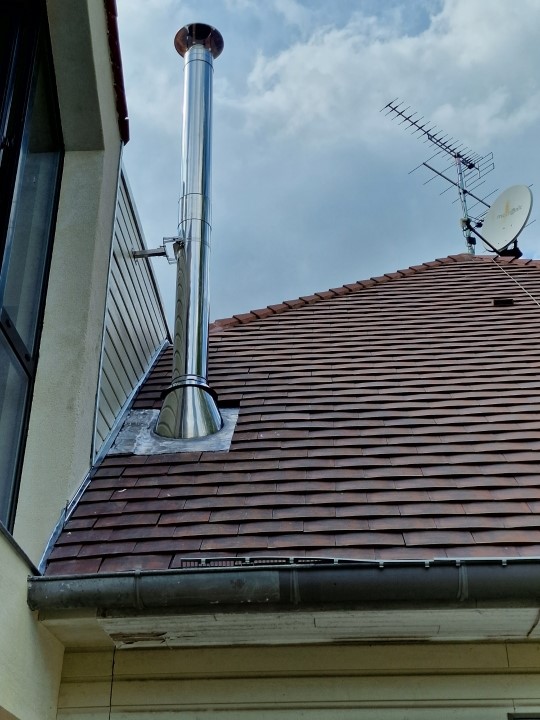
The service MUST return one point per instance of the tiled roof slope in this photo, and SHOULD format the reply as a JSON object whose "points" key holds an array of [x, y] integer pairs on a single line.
{"points": [[395, 418]]}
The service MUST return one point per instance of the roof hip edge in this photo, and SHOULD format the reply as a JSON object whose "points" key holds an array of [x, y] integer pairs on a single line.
{"points": [[224, 324]]}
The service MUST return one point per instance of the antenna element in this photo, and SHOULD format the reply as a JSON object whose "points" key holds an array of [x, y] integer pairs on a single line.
{"points": [[470, 167]]}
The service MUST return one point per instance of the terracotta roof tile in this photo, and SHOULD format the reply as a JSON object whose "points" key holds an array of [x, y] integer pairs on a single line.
{"points": [[246, 317], [243, 542], [93, 535], [128, 519], [263, 312], [392, 418], [508, 536], [480, 551], [300, 540], [188, 516], [112, 483], [273, 527], [136, 533], [312, 511], [469, 522], [326, 294], [336, 525], [431, 537], [81, 566], [168, 545], [64, 551], [106, 549], [241, 514], [396, 523], [369, 539], [367, 511], [98, 509], [82, 523], [431, 508], [158, 561], [296, 303], [137, 493]]}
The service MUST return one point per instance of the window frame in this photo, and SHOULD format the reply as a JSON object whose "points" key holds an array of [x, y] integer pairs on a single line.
{"points": [[29, 53]]}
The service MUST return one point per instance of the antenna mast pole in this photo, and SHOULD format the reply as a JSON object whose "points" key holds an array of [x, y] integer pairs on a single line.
{"points": [[470, 241]]}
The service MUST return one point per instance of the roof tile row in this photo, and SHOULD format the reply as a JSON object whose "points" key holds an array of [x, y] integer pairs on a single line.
{"points": [[394, 418]]}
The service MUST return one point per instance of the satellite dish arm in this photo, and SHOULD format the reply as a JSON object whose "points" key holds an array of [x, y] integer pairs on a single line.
{"points": [[467, 223]]}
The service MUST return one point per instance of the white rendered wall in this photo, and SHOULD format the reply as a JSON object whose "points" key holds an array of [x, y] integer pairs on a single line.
{"points": [[30, 657], [60, 432], [58, 450], [362, 682]]}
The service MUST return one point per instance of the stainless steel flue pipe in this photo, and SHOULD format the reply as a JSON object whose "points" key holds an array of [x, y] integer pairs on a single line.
{"points": [[189, 408]]}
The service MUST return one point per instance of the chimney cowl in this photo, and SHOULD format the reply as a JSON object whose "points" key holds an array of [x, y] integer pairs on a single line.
{"points": [[199, 34]]}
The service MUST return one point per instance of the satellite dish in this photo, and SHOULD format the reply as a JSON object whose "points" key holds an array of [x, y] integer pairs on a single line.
{"points": [[507, 217]]}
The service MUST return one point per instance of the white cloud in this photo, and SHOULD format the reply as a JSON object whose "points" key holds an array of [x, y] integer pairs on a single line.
{"points": [[293, 12], [479, 61]]}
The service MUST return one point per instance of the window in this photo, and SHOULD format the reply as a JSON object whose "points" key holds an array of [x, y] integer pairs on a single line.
{"points": [[31, 155]]}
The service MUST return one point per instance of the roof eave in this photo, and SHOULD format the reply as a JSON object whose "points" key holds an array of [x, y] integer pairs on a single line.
{"points": [[473, 600]]}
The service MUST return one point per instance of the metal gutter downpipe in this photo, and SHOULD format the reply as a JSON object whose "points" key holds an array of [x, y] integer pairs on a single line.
{"points": [[189, 408]]}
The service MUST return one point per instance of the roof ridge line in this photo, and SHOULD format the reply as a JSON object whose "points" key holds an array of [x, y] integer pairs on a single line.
{"points": [[224, 324]]}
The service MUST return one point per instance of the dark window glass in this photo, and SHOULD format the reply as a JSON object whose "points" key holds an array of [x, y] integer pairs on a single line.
{"points": [[20, 21], [30, 164], [8, 41], [13, 391], [32, 208]]}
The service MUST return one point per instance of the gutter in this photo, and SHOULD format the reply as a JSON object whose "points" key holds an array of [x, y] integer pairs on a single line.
{"points": [[337, 584], [116, 66]]}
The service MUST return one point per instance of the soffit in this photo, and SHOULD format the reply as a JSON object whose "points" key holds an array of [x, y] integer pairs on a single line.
{"points": [[291, 627]]}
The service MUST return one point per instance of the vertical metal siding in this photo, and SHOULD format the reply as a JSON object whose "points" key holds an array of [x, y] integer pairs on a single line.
{"points": [[134, 324]]}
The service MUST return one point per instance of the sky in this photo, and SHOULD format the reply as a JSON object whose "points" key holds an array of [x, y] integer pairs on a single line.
{"points": [[311, 183]]}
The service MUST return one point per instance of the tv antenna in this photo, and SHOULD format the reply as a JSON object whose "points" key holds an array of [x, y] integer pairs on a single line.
{"points": [[470, 167]]}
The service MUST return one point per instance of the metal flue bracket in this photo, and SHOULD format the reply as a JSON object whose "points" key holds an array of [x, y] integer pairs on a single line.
{"points": [[167, 250], [148, 253]]}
